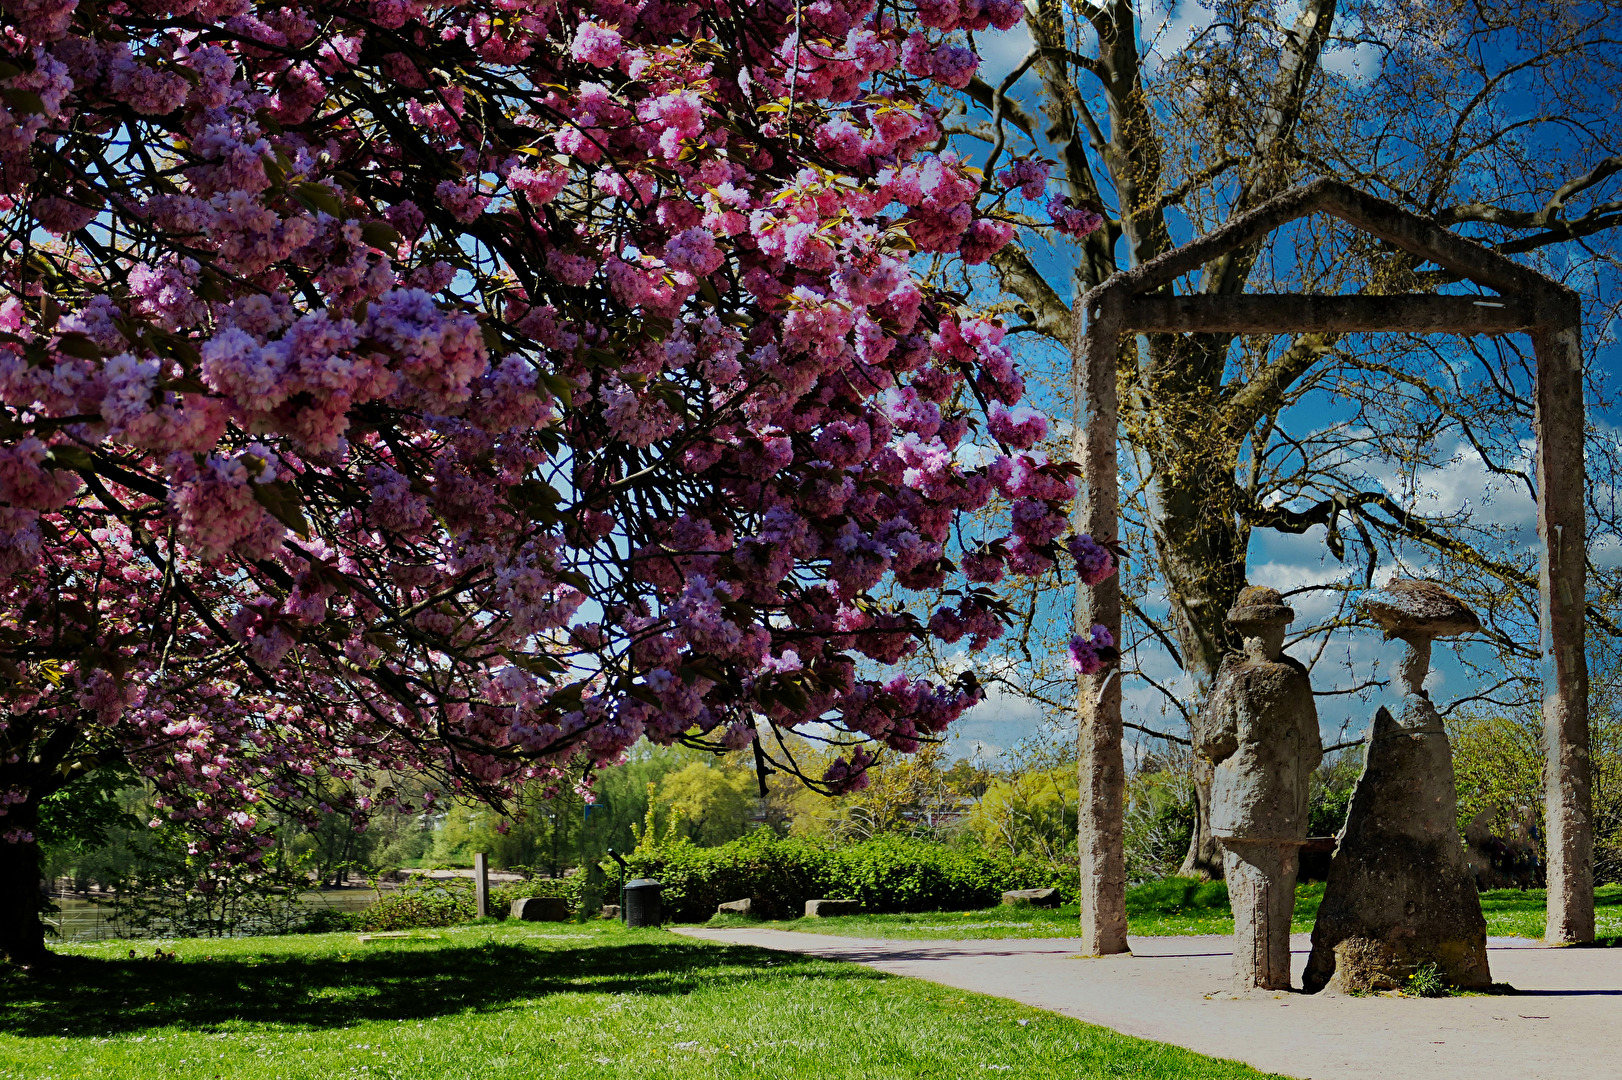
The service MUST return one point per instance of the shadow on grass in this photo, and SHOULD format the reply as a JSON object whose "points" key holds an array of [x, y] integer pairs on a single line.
{"points": [[81, 996]]}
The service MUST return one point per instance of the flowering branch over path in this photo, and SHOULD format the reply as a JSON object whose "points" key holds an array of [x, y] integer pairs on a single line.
{"points": [[476, 388]]}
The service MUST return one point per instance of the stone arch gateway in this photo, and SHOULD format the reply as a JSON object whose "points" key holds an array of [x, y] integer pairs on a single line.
{"points": [[1133, 302]]}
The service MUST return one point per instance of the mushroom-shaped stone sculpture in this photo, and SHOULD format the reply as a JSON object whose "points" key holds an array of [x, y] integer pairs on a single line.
{"points": [[1416, 612], [1400, 894]]}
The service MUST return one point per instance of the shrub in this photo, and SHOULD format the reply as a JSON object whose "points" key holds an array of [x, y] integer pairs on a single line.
{"points": [[781, 875], [1160, 816], [423, 904], [1177, 896], [329, 921], [894, 873], [413, 910], [569, 888], [887, 874]]}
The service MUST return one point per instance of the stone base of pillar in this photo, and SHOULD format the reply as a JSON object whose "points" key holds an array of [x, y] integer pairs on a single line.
{"points": [[1261, 888]]}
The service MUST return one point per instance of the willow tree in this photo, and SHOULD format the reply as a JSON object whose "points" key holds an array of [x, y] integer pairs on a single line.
{"points": [[1498, 120]]}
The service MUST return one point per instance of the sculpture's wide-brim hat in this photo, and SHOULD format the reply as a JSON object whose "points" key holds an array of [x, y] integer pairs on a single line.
{"points": [[1259, 606], [1406, 606]]}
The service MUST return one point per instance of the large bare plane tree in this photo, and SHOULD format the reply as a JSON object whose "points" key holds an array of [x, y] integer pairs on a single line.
{"points": [[1499, 119]]}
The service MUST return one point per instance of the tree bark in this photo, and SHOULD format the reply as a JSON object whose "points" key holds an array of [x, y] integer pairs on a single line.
{"points": [[1200, 543], [1203, 559], [1204, 858], [22, 935]]}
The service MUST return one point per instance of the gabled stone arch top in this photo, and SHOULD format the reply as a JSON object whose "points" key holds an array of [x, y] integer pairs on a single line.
{"points": [[1527, 300], [1140, 301]]}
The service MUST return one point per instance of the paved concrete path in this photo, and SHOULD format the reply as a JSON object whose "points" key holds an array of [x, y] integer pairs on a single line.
{"points": [[1566, 1022]]}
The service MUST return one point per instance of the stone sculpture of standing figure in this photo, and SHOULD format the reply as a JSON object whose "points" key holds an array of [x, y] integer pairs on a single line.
{"points": [[1259, 729]]}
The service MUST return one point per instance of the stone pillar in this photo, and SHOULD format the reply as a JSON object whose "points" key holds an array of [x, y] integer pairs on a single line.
{"points": [[481, 885], [1562, 591], [1103, 770], [1400, 894]]}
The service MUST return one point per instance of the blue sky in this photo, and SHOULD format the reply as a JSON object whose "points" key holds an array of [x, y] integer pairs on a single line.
{"points": [[1282, 561]]}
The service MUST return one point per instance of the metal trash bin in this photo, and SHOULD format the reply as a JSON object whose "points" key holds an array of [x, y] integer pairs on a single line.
{"points": [[642, 902]]}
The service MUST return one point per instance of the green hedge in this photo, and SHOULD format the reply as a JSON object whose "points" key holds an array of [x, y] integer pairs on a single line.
{"points": [[411, 912], [887, 874]]}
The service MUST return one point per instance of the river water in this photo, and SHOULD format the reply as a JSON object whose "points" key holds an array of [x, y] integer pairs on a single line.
{"points": [[87, 920]]}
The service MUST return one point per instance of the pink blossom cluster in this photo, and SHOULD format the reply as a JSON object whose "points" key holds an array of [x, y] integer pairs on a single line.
{"points": [[1029, 175], [1072, 220], [577, 384], [1094, 562], [972, 617], [846, 775], [1092, 653], [1019, 428]]}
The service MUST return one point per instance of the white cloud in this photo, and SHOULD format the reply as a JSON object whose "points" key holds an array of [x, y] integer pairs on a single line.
{"points": [[1001, 721], [1464, 484], [1169, 26], [1000, 50], [1357, 64]]}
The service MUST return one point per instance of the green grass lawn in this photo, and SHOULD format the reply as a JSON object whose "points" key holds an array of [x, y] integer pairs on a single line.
{"points": [[527, 1000], [1174, 906]]}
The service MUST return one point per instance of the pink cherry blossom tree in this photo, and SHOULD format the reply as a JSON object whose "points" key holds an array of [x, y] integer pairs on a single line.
{"points": [[472, 389]]}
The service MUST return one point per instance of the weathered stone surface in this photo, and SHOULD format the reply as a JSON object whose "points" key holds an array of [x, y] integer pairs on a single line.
{"points": [[1259, 729], [1407, 605], [541, 909], [1399, 894], [736, 907], [1416, 612], [822, 909], [1033, 897], [611, 911], [1258, 605], [1261, 891]]}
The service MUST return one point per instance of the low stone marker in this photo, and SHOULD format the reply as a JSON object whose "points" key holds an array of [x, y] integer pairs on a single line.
{"points": [[541, 909], [1033, 897], [611, 911], [736, 907], [822, 909]]}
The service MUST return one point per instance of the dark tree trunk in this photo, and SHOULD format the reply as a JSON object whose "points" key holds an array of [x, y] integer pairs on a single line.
{"points": [[22, 935], [1200, 541], [1204, 858]]}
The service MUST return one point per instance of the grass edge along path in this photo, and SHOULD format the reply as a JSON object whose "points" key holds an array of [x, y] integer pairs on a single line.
{"points": [[1171, 907], [591, 1001]]}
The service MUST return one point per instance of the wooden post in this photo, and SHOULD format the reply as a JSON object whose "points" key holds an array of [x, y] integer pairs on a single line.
{"points": [[1103, 771], [1562, 594], [481, 885]]}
